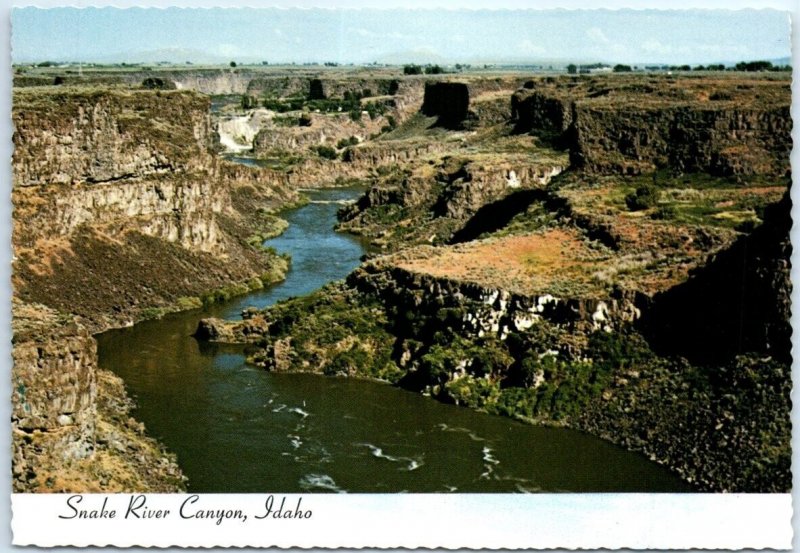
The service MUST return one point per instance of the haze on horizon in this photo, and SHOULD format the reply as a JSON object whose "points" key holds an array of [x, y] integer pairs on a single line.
{"points": [[395, 36]]}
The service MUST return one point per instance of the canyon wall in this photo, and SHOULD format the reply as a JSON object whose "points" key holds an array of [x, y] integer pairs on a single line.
{"points": [[70, 422], [116, 191], [739, 300], [121, 212], [617, 126]]}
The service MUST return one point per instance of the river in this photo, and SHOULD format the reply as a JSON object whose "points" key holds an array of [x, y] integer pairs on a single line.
{"points": [[236, 428]]}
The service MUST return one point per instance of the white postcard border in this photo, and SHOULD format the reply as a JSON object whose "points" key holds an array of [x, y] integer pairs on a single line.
{"points": [[739, 521], [449, 521]]}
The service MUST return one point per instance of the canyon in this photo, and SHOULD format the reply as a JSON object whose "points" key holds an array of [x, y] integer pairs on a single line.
{"points": [[554, 249]]}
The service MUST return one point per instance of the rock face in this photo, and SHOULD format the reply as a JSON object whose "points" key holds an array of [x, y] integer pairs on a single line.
{"points": [[121, 213], [323, 130], [443, 202], [491, 311], [449, 101], [53, 354], [723, 141], [76, 137], [630, 127], [70, 424], [738, 302], [95, 170], [321, 87]]}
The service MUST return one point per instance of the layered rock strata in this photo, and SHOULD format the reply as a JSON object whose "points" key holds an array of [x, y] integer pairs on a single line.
{"points": [[728, 127], [121, 212]]}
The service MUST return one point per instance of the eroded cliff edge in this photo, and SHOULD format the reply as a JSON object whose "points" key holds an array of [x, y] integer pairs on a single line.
{"points": [[121, 212]]}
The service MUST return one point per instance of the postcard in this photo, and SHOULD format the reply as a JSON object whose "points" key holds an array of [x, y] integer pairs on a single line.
{"points": [[382, 277]]}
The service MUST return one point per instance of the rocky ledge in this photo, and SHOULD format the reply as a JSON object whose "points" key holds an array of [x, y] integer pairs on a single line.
{"points": [[71, 424]]}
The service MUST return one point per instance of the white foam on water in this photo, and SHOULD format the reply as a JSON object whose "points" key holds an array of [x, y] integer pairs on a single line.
{"points": [[279, 408], [488, 457], [299, 411], [528, 489], [489, 462], [411, 464], [461, 430], [319, 482], [339, 202], [378, 452], [295, 440]]}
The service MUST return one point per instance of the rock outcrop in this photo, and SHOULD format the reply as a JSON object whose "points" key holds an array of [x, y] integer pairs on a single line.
{"points": [[251, 328], [623, 126], [443, 194], [70, 425], [94, 171], [121, 213], [738, 302], [449, 101]]}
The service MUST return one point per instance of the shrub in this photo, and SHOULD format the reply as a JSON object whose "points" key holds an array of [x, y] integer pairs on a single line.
{"points": [[326, 152], [645, 197], [153, 313], [154, 83], [345, 142], [664, 212]]}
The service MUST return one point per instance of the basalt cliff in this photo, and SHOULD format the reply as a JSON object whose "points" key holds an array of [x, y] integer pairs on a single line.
{"points": [[121, 212]]}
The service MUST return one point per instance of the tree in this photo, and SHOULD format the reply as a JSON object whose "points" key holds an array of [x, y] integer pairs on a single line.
{"points": [[620, 68], [572, 69], [233, 64], [754, 66], [412, 70]]}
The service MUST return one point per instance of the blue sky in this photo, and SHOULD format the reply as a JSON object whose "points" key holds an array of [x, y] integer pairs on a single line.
{"points": [[397, 36]]}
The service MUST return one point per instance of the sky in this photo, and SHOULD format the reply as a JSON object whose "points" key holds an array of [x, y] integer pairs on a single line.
{"points": [[248, 35]]}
